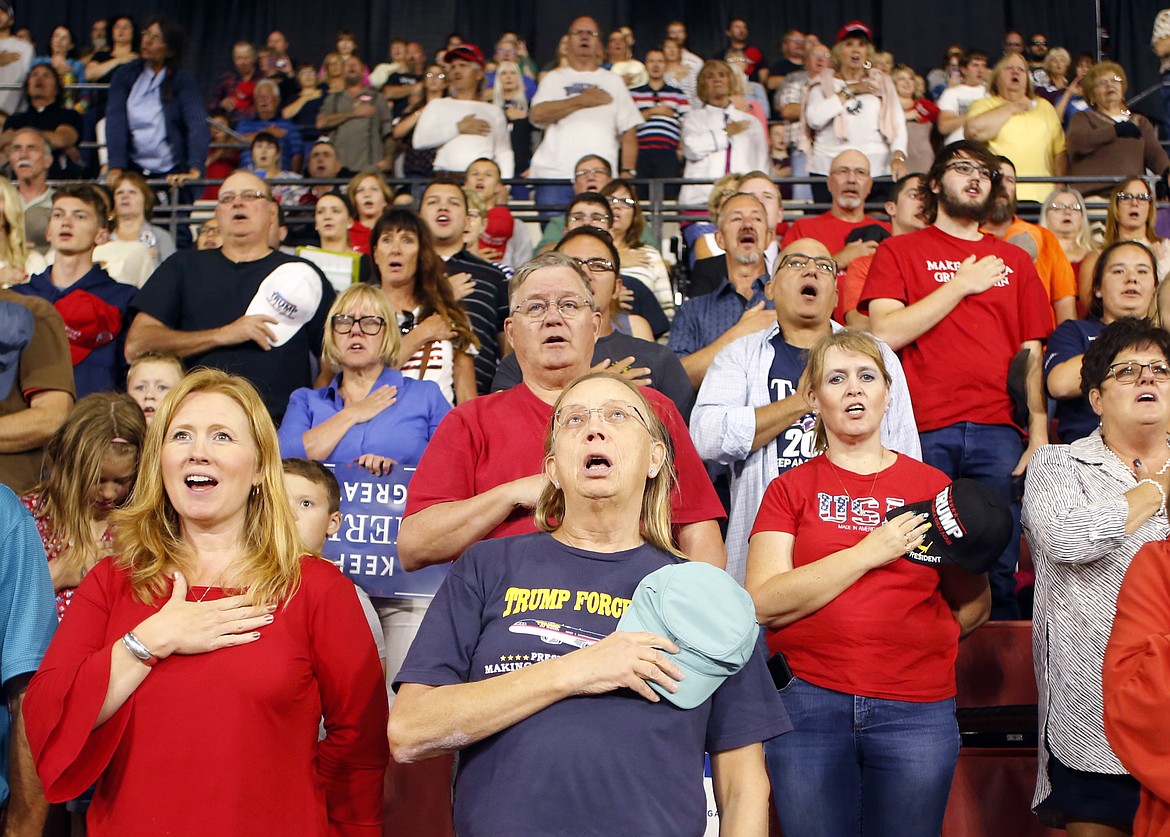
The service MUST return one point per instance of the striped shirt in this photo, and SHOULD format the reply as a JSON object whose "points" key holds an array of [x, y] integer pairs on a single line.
{"points": [[660, 132], [487, 308], [1074, 515]]}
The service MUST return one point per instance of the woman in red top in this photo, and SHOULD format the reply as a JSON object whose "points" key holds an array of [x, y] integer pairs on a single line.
{"points": [[192, 672], [94, 460], [370, 196], [871, 639]]}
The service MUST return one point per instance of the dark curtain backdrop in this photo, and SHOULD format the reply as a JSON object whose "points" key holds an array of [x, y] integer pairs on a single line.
{"points": [[916, 32]]}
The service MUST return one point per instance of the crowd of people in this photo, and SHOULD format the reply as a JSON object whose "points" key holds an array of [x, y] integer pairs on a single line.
{"points": [[840, 425]]}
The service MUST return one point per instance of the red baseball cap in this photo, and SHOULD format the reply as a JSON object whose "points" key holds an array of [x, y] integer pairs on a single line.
{"points": [[854, 29], [90, 322], [465, 52]]}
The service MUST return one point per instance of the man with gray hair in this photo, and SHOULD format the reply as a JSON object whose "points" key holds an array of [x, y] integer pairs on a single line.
{"points": [[29, 157], [703, 325], [266, 101], [481, 474]]}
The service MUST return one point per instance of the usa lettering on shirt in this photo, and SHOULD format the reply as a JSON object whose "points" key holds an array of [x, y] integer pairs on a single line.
{"points": [[944, 271], [855, 514]]}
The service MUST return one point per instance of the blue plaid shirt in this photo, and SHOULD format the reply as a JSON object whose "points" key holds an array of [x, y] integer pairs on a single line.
{"points": [[702, 319]]}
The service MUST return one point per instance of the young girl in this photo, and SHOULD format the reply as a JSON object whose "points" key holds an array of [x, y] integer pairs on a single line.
{"points": [[94, 460], [151, 376]]}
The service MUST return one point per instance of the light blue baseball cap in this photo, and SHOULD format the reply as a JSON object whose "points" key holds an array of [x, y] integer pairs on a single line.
{"points": [[707, 614]]}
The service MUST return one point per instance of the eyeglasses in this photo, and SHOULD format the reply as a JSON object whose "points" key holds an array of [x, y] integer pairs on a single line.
{"points": [[1127, 373], [344, 323], [1107, 79], [576, 417], [590, 218], [596, 265], [247, 196], [1064, 207], [436, 75], [1131, 196], [407, 324], [587, 172], [616, 201], [965, 168], [591, 32], [570, 308], [799, 261], [1040, 43]]}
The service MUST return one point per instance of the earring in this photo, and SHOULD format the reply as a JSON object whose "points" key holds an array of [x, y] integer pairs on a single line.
{"points": [[556, 484], [653, 473]]}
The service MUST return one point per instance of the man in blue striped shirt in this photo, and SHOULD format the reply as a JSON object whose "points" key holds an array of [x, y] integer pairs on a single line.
{"points": [[663, 108]]}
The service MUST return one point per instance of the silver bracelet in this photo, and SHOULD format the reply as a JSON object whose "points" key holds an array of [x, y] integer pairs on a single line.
{"points": [[1156, 485], [143, 654]]}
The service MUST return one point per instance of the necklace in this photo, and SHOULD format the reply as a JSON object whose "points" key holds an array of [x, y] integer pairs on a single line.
{"points": [[841, 482], [217, 583], [1137, 462]]}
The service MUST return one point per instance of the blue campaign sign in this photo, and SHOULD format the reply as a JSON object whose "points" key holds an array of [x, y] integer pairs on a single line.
{"points": [[366, 545]]}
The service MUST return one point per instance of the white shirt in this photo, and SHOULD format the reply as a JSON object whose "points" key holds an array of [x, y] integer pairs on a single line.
{"points": [[594, 130], [439, 127], [704, 145], [723, 424], [956, 100], [15, 72], [1074, 515], [861, 130]]}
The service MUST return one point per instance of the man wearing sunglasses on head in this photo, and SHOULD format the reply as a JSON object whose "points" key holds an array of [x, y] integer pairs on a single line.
{"points": [[244, 308], [959, 305]]}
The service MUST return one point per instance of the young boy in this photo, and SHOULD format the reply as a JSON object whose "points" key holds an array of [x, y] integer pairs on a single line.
{"points": [[265, 152], [316, 505], [503, 234], [152, 375], [92, 304]]}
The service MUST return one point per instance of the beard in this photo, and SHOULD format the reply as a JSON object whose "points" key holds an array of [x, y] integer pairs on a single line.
{"points": [[747, 258], [1002, 210], [956, 207]]}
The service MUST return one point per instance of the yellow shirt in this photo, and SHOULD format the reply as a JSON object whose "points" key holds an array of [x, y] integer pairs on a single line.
{"points": [[1030, 140]]}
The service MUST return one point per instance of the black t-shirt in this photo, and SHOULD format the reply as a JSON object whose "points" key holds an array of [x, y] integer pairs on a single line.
{"points": [[49, 119], [201, 290], [783, 67], [487, 308], [398, 106]]}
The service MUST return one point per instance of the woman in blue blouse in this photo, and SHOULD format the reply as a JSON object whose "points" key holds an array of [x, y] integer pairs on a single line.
{"points": [[369, 413]]}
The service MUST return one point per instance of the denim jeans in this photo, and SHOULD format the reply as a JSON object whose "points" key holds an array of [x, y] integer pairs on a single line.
{"points": [[862, 766], [987, 453], [554, 198]]}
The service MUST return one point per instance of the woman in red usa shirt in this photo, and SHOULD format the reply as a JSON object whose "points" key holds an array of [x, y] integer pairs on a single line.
{"points": [[870, 639]]}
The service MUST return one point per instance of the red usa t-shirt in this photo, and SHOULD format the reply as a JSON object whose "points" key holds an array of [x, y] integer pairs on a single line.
{"points": [[497, 438], [890, 634], [958, 370]]}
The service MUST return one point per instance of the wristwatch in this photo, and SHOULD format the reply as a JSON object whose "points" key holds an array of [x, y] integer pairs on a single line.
{"points": [[634, 172]]}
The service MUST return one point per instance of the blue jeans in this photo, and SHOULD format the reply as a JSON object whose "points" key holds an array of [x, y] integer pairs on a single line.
{"points": [[553, 198], [987, 453], [862, 766]]}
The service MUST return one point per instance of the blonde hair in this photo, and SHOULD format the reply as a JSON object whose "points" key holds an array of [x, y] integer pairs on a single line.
{"points": [[372, 299], [99, 424], [156, 356], [993, 87], [656, 498], [150, 534], [498, 91], [856, 342], [13, 244], [721, 190], [1084, 237]]}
